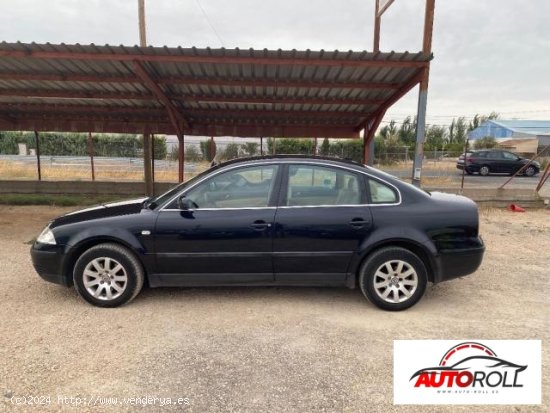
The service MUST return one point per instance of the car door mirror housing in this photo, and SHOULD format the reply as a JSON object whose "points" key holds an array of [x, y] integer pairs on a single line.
{"points": [[184, 203]]}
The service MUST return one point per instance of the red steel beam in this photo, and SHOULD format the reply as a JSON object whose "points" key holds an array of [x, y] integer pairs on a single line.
{"points": [[274, 113], [284, 100], [385, 7], [12, 108], [75, 94], [413, 81], [175, 116], [140, 126], [89, 94], [133, 57], [191, 80]]}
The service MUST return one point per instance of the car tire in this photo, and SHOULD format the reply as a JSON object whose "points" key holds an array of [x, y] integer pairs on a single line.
{"points": [[484, 170], [530, 171], [396, 289], [108, 275]]}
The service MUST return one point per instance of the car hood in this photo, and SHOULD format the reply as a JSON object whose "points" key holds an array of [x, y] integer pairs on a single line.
{"points": [[133, 206]]}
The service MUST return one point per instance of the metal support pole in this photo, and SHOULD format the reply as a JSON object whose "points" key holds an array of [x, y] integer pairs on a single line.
{"points": [[153, 162], [261, 146], [91, 153], [147, 170], [376, 43], [543, 178], [211, 149], [423, 95], [181, 158], [420, 135], [147, 164], [37, 141], [464, 168]]}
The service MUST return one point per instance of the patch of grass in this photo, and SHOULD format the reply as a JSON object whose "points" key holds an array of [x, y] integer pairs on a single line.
{"points": [[54, 200]]}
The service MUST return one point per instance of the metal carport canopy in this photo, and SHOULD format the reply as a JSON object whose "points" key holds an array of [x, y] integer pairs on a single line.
{"points": [[206, 92]]}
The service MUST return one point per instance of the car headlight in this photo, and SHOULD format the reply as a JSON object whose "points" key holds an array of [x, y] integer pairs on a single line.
{"points": [[46, 237]]}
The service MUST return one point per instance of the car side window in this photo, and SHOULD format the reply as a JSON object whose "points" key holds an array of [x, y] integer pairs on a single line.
{"points": [[249, 187], [310, 185], [381, 193], [494, 155], [509, 156]]}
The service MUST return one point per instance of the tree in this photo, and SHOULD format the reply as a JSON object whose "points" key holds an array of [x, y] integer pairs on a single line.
{"points": [[479, 119], [435, 138], [461, 130], [407, 131], [388, 130], [324, 150], [208, 149], [486, 142]]}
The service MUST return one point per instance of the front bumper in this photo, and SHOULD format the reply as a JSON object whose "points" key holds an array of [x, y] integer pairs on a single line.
{"points": [[48, 263], [458, 262]]}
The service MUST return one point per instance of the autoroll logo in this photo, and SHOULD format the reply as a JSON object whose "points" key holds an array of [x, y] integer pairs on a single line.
{"points": [[470, 365], [467, 372]]}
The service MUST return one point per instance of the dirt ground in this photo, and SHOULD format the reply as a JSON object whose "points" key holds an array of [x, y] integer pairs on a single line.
{"points": [[256, 349]]}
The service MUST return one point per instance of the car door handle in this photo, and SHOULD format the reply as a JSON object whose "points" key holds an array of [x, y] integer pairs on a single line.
{"points": [[260, 225], [358, 222]]}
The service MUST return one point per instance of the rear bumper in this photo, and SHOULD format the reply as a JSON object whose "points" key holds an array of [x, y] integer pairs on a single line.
{"points": [[457, 263], [47, 261]]}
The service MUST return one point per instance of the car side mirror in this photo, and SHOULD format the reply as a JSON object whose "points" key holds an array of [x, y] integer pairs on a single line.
{"points": [[184, 204]]}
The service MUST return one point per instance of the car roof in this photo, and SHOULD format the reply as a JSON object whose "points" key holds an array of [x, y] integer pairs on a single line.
{"points": [[283, 157]]}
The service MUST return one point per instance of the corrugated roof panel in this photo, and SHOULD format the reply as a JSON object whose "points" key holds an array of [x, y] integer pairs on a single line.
{"points": [[70, 70]]}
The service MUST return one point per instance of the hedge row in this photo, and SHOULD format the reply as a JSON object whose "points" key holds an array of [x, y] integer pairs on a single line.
{"points": [[76, 144]]}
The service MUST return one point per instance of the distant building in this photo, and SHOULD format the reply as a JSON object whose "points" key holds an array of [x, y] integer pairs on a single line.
{"points": [[521, 146], [516, 130]]}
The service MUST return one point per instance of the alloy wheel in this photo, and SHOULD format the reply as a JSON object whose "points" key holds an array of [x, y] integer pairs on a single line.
{"points": [[105, 278], [395, 281]]}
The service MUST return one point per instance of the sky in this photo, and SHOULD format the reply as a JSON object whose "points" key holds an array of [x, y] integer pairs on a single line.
{"points": [[489, 55]]}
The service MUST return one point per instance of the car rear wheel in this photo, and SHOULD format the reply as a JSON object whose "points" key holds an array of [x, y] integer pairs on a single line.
{"points": [[108, 275], [484, 170], [530, 171], [393, 278]]}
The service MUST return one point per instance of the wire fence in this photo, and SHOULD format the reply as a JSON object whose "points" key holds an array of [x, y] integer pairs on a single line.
{"points": [[439, 167]]}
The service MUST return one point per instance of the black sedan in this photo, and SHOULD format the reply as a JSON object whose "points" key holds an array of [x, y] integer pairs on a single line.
{"points": [[292, 221], [489, 161]]}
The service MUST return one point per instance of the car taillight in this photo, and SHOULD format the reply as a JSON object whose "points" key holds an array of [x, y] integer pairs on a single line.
{"points": [[470, 160]]}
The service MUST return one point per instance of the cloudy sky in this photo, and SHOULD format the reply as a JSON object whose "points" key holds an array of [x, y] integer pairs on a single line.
{"points": [[489, 55]]}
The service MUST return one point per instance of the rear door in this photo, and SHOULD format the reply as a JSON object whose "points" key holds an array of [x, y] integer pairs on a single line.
{"points": [[320, 222], [495, 161]]}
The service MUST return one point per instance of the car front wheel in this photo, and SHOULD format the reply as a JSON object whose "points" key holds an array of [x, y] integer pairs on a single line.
{"points": [[108, 275], [393, 278]]}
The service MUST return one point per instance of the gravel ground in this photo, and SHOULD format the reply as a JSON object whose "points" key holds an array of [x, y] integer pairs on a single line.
{"points": [[256, 349]]}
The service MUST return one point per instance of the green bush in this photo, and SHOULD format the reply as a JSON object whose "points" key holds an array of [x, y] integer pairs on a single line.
{"points": [[231, 151], [289, 146]]}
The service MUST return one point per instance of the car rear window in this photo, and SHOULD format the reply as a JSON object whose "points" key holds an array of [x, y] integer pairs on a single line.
{"points": [[381, 193]]}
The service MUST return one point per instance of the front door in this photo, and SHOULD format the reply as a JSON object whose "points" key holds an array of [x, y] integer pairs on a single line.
{"points": [[320, 223], [226, 236]]}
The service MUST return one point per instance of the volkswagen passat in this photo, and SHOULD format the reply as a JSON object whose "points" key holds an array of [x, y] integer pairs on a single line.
{"points": [[269, 221]]}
